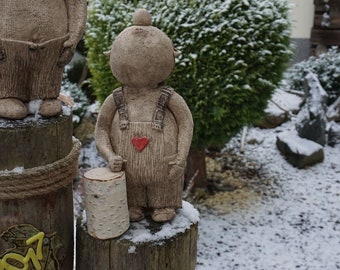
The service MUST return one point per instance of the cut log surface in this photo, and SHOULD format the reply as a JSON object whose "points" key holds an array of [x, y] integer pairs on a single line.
{"points": [[34, 142], [145, 246]]}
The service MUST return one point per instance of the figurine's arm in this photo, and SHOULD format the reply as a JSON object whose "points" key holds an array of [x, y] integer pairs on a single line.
{"points": [[185, 125], [77, 13], [102, 135]]}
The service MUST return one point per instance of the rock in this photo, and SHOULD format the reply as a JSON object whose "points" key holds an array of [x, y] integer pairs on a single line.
{"points": [[316, 96], [298, 151], [334, 134], [333, 111], [273, 119], [312, 129], [311, 122], [279, 108], [12, 108], [255, 137]]}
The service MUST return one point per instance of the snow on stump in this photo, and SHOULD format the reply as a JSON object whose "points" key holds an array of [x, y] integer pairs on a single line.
{"points": [[36, 195], [146, 245], [298, 151]]}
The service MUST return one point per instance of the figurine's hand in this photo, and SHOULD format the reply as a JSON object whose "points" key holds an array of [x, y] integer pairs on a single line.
{"points": [[116, 163], [65, 56], [70, 43], [175, 172]]}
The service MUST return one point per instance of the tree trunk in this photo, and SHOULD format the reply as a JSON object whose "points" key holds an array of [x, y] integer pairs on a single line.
{"points": [[196, 167]]}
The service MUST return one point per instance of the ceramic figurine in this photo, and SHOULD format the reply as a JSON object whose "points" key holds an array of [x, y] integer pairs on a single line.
{"points": [[37, 39], [145, 127]]}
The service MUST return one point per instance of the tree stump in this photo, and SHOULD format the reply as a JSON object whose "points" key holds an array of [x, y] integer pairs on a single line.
{"points": [[145, 246], [36, 202], [30, 143]]}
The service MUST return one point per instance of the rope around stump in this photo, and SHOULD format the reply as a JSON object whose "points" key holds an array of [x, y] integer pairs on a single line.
{"points": [[40, 180]]}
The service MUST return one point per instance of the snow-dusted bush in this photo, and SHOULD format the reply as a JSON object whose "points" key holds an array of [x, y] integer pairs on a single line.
{"points": [[233, 55], [327, 69], [79, 98]]}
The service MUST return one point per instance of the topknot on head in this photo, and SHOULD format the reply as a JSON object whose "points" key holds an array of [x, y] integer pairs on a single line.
{"points": [[142, 17]]}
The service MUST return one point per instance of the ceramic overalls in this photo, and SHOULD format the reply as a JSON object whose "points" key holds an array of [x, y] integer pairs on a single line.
{"points": [[149, 149], [30, 70]]}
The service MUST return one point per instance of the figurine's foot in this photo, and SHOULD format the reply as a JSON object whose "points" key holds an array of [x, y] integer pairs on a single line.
{"points": [[12, 108], [50, 107], [136, 213], [163, 214]]}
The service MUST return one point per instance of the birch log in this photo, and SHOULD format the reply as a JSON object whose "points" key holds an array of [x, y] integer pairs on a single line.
{"points": [[106, 203]]}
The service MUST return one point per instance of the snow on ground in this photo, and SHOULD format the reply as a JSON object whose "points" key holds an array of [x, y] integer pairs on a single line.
{"points": [[286, 100], [299, 228]]}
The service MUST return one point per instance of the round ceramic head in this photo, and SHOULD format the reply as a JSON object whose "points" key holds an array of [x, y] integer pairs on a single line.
{"points": [[142, 55]]}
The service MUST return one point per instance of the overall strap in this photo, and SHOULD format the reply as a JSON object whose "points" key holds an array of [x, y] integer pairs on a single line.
{"points": [[159, 114], [119, 100]]}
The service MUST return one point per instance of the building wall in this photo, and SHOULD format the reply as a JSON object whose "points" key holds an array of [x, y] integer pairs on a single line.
{"points": [[302, 18], [302, 23]]}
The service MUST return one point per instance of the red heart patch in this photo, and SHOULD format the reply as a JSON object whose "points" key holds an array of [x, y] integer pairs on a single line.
{"points": [[140, 143]]}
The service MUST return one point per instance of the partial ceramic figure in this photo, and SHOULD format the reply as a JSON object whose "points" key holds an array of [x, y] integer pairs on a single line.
{"points": [[37, 39], [144, 127]]}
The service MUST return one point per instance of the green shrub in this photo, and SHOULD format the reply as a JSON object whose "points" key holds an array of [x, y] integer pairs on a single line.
{"points": [[233, 56], [326, 67]]}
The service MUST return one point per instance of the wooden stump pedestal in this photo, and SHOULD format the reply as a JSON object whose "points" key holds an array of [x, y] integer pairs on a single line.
{"points": [[37, 170], [145, 246], [31, 143]]}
